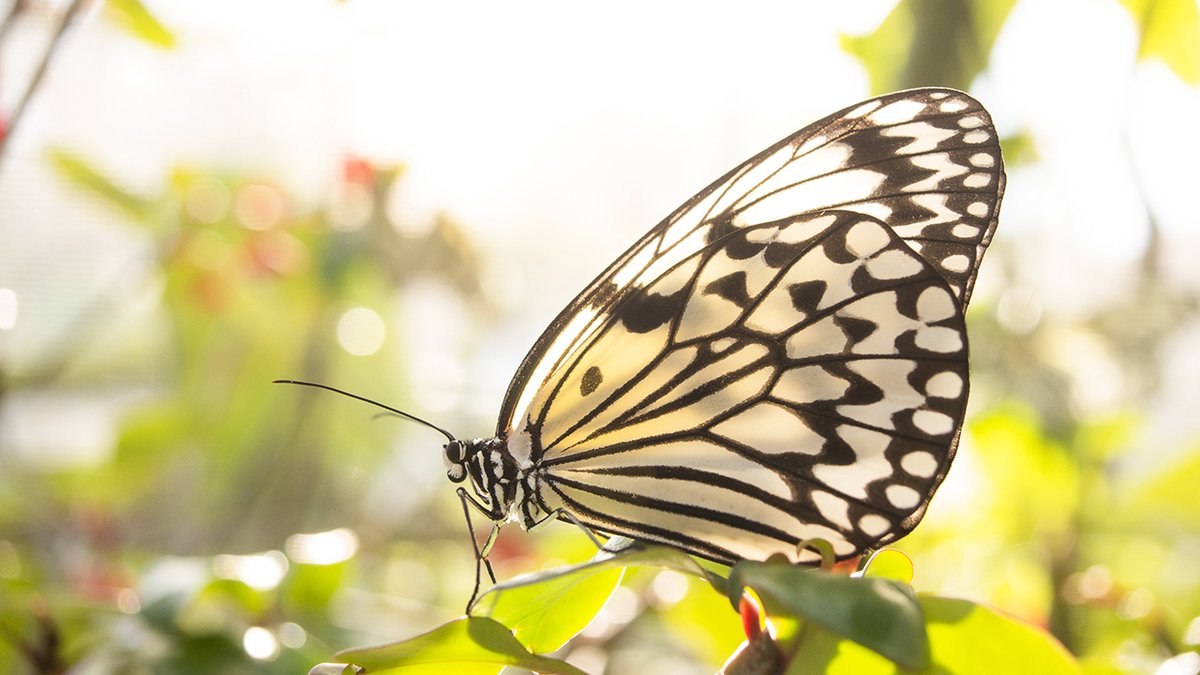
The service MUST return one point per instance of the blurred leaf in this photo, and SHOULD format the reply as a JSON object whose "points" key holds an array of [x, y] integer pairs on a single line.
{"points": [[969, 638], [309, 587], [964, 639], [880, 614], [703, 622], [133, 16], [890, 563], [930, 42], [1170, 496], [1037, 482], [1019, 148], [78, 171], [1170, 31], [467, 645]]}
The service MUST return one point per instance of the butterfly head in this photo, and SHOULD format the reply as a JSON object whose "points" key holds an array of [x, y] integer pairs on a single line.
{"points": [[455, 454]]}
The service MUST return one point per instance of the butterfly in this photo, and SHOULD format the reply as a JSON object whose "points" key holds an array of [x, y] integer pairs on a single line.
{"points": [[783, 358]]}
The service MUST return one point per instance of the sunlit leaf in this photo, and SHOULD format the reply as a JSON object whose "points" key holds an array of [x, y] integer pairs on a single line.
{"points": [[468, 645], [1169, 496], [134, 17], [968, 638], [1170, 32], [880, 614], [964, 639], [546, 609], [930, 42], [890, 563], [79, 172]]}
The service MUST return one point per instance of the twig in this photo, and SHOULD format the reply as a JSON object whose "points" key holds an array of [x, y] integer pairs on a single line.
{"points": [[10, 124], [18, 8]]}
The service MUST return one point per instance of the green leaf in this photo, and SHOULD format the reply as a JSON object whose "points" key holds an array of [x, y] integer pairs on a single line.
{"points": [[468, 645], [970, 638], [964, 639], [1168, 498], [890, 563], [880, 614], [133, 16], [1169, 31], [78, 171], [546, 609], [930, 42]]}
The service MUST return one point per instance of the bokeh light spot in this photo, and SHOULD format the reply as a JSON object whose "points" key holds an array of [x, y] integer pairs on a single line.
{"points": [[259, 207], [322, 548], [292, 635], [262, 571], [8, 308], [206, 200], [361, 331], [260, 643]]}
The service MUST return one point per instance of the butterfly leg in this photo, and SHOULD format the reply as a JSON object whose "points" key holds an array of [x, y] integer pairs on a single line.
{"points": [[481, 553], [562, 514]]}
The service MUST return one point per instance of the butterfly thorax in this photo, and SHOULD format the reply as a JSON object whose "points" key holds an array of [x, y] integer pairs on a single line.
{"points": [[501, 484]]}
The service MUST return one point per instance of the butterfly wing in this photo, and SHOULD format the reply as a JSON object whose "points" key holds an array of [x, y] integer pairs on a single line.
{"points": [[784, 356]]}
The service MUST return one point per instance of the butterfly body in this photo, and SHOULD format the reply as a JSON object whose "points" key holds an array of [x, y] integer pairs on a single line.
{"points": [[783, 358]]}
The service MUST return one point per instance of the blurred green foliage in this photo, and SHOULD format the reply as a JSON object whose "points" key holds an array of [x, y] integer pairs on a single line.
{"points": [[210, 537]]}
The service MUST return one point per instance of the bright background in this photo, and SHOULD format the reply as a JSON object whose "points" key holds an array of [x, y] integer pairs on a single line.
{"points": [[396, 198]]}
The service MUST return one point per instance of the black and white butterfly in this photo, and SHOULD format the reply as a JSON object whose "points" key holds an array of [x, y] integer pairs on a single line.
{"points": [[783, 358]]}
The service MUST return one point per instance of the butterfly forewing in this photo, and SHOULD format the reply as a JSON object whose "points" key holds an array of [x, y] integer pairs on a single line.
{"points": [[784, 357]]}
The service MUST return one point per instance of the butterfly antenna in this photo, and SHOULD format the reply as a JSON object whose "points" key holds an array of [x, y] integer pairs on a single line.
{"points": [[395, 411]]}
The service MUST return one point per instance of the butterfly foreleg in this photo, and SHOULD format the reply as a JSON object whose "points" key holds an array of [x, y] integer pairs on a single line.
{"points": [[481, 552]]}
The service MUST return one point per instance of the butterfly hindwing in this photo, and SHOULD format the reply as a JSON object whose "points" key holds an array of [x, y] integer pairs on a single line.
{"points": [[784, 357]]}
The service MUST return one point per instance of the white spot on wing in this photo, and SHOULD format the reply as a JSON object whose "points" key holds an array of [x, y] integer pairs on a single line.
{"points": [[932, 422], [832, 508], [976, 137], [919, 463], [935, 304], [866, 238], [956, 263], [897, 111], [946, 384], [873, 525], [893, 265], [902, 496]]}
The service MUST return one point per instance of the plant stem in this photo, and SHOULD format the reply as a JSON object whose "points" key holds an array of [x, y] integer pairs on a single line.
{"points": [[18, 111]]}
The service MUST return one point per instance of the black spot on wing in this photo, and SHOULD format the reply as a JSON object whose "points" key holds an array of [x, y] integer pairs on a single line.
{"points": [[592, 378], [643, 312], [603, 294], [731, 287], [806, 295], [720, 227], [779, 254], [855, 328]]}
